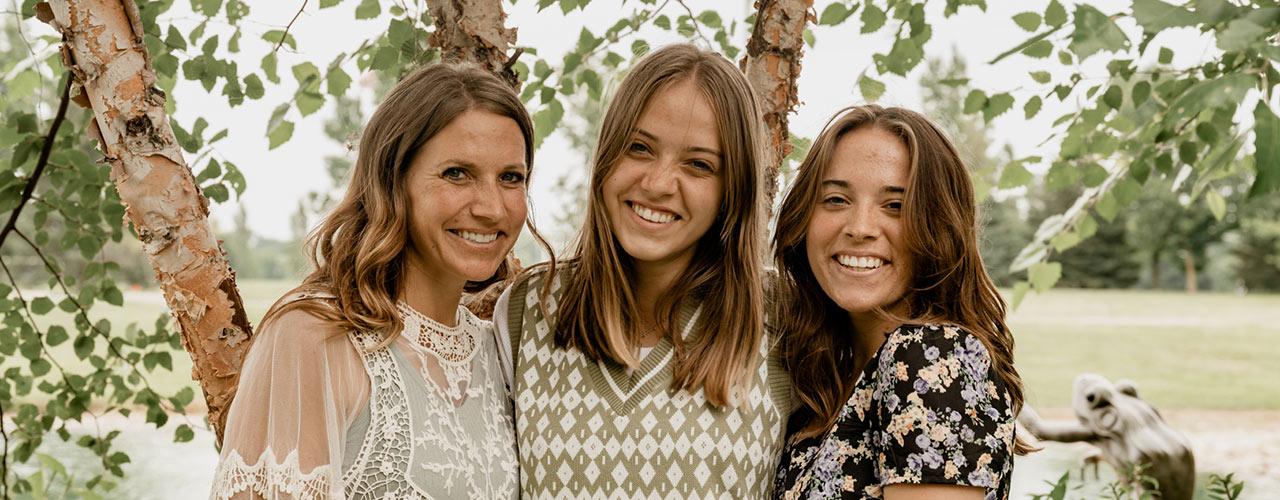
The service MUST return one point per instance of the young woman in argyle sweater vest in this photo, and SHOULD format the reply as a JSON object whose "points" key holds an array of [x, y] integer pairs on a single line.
{"points": [[642, 365]]}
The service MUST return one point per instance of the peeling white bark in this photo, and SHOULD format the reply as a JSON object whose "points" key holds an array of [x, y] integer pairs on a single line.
{"points": [[772, 64], [474, 31], [104, 50]]}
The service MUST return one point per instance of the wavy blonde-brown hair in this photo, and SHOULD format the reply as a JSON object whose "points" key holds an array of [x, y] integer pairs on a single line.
{"points": [[598, 311], [358, 250], [949, 282]]}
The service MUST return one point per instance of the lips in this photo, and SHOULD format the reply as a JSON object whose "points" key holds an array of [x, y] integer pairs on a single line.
{"points": [[654, 215]]}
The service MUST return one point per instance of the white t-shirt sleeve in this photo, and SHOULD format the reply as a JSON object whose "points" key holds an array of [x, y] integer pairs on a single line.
{"points": [[503, 330]]}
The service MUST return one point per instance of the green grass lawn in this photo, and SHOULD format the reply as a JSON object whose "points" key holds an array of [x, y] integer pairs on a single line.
{"points": [[1212, 351]]}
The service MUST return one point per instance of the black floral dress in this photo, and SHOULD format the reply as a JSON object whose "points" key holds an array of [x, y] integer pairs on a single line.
{"points": [[928, 408]]}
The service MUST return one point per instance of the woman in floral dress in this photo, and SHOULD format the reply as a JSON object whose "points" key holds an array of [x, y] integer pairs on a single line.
{"points": [[895, 336]]}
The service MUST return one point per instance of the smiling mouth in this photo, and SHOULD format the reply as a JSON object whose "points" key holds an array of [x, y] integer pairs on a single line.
{"points": [[474, 237], [860, 263], [651, 215]]}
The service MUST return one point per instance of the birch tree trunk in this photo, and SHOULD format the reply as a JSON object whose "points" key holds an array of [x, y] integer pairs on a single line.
{"points": [[475, 31], [772, 64], [103, 49]]}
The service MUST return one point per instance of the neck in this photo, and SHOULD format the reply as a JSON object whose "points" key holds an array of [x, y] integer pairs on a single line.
{"points": [[870, 328], [652, 281], [432, 296]]}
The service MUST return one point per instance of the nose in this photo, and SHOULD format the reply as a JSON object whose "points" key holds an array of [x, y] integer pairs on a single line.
{"points": [[486, 202], [661, 178], [861, 224]]}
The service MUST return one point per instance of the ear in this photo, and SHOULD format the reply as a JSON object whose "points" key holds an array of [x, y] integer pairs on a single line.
{"points": [[1129, 387]]}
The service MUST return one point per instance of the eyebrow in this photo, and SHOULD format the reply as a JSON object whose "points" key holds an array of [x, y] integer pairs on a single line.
{"points": [[845, 185], [470, 164], [701, 149]]}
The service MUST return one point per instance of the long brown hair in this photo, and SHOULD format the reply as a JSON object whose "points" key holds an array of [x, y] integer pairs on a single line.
{"points": [[598, 311], [358, 250], [948, 284]]}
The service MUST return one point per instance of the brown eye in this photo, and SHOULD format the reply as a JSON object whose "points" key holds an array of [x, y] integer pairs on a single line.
{"points": [[454, 173]]}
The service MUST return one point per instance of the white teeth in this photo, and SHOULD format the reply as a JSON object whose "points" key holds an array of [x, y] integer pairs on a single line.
{"points": [[859, 262], [477, 237], [653, 215]]}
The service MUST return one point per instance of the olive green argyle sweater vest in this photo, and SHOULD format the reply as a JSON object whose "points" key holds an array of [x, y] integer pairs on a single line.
{"points": [[588, 429]]}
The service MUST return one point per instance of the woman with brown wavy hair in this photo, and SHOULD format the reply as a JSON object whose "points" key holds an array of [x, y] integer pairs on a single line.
{"points": [[642, 365], [370, 380], [895, 336]]}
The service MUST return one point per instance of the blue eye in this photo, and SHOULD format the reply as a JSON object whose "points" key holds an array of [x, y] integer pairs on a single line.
{"points": [[512, 177], [834, 200], [638, 147], [702, 165], [453, 173]]}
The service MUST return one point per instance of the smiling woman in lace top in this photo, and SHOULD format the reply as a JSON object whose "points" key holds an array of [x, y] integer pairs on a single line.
{"points": [[370, 380]]}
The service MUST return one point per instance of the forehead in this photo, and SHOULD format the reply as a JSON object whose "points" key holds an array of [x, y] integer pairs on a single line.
{"points": [[679, 113], [480, 136], [869, 157]]}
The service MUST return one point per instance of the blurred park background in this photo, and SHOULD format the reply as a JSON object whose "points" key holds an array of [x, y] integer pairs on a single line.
{"points": [[1176, 288]]}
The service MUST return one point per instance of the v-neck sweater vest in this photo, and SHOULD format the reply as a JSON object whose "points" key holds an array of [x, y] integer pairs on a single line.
{"points": [[589, 429]]}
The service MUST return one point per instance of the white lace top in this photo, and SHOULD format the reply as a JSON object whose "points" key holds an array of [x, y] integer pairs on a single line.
{"points": [[322, 413]]}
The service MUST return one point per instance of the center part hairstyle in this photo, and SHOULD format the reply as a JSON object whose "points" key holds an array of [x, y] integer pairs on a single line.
{"points": [[358, 250], [598, 311], [948, 284]]}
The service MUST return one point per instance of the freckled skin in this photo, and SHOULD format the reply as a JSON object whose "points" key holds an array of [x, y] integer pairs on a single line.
{"points": [[469, 177], [858, 214], [672, 166]]}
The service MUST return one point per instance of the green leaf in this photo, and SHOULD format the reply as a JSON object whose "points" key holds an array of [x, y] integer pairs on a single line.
{"points": [[113, 296], [1141, 91], [324, 4], [834, 14], [1155, 16], [400, 31], [1064, 241], [639, 48], [1166, 55], [1092, 174], [1114, 97], [975, 101], [1055, 15], [809, 39], [368, 9], [1040, 76], [873, 18], [338, 82], [276, 36], [1014, 175], [710, 18], [1216, 203], [1028, 21], [662, 22], [83, 346], [870, 88], [1039, 49], [1243, 34], [1032, 107], [1043, 275], [174, 39], [1207, 133], [269, 67], [546, 120], [1019, 293], [1266, 142], [56, 335], [1095, 32], [279, 134], [184, 433], [41, 305], [1107, 207], [997, 105], [253, 86]]}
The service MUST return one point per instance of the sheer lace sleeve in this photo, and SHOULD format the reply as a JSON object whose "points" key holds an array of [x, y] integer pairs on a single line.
{"points": [[301, 385], [503, 334]]}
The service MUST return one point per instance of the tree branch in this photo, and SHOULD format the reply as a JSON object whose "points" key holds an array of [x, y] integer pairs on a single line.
{"points": [[287, 27], [45, 151]]}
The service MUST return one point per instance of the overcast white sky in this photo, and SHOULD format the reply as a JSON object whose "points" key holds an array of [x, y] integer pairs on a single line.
{"points": [[278, 179]]}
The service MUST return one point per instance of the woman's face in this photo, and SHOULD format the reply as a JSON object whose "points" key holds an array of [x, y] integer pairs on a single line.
{"points": [[466, 189], [854, 241], [665, 192]]}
